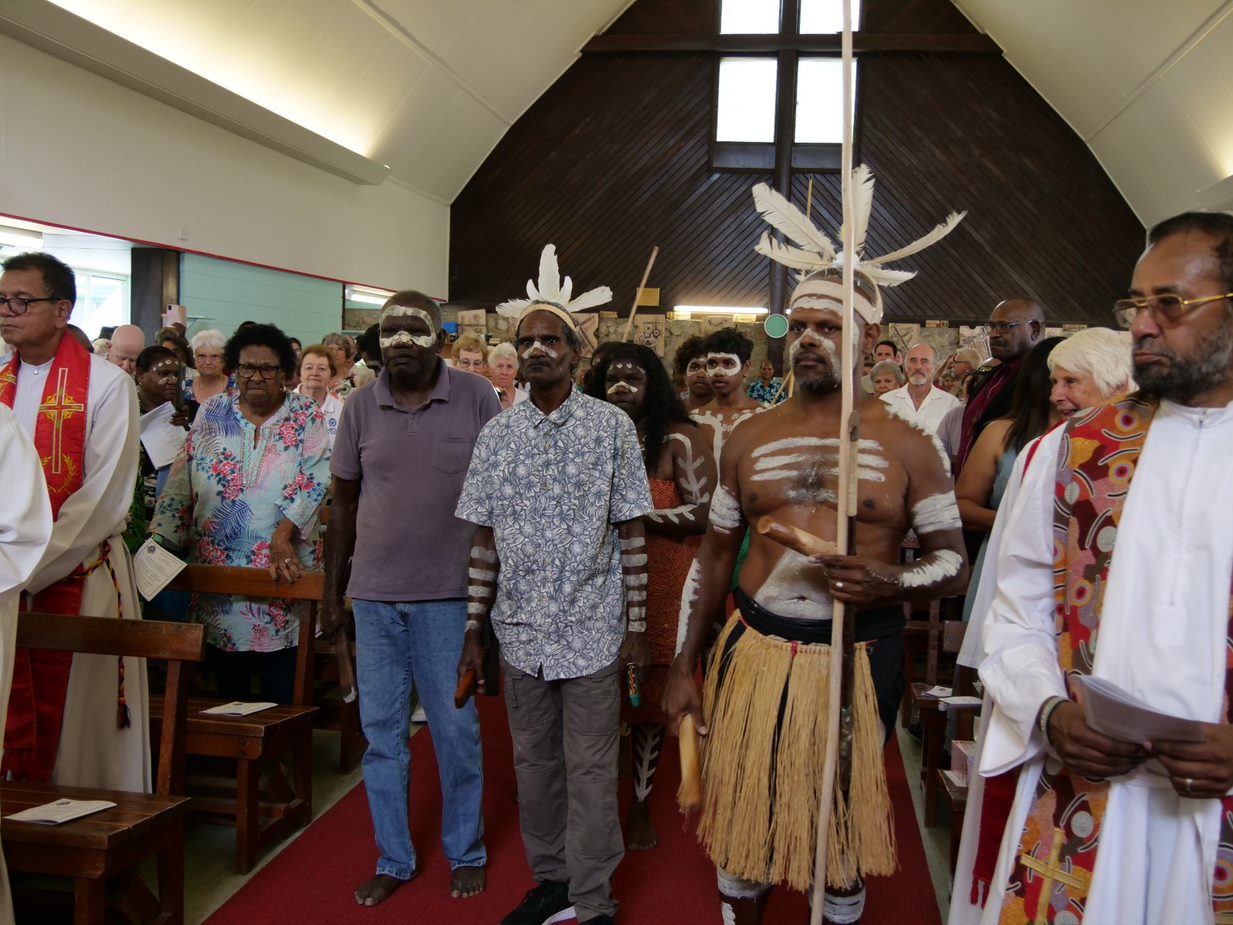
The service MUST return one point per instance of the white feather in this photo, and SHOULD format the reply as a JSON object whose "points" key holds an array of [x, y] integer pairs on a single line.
{"points": [[792, 257], [862, 204], [531, 293], [920, 244], [549, 285], [513, 308], [795, 225], [600, 295], [567, 287], [885, 277]]}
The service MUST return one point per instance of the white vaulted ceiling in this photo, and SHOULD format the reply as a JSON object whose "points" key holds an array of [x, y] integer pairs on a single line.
{"points": [[1148, 84], [428, 87]]}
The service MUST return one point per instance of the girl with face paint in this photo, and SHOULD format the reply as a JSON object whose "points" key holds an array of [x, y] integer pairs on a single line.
{"points": [[681, 474]]}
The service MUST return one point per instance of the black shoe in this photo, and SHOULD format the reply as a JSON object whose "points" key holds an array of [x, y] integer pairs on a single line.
{"points": [[544, 905]]}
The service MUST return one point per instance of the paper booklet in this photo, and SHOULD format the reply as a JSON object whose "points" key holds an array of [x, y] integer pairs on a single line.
{"points": [[154, 567], [60, 811], [1112, 712], [238, 708], [162, 439]]}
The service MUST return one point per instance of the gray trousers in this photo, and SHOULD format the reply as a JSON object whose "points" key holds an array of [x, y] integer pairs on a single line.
{"points": [[566, 736]]}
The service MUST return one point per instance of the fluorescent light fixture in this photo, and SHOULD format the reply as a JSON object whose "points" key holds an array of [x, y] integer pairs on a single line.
{"points": [[16, 237], [368, 295], [718, 310]]}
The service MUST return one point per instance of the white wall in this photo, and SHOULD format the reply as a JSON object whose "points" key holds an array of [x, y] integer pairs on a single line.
{"points": [[79, 150]]}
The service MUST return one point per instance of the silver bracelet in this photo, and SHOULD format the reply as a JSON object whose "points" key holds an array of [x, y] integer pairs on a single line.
{"points": [[472, 625], [636, 626], [1046, 713]]}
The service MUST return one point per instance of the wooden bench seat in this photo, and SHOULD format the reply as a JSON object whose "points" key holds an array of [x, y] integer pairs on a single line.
{"points": [[269, 790], [264, 804], [109, 845]]}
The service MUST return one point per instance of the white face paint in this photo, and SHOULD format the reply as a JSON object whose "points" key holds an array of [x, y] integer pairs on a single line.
{"points": [[932, 569], [404, 339], [622, 388], [812, 338], [936, 513], [725, 511], [722, 365], [542, 348]]}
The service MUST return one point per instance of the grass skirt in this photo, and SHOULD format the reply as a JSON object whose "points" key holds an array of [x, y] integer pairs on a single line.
{"points": [[766, 707]]}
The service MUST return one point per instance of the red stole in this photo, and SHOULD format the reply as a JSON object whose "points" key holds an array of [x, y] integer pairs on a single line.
{"points": [[1058, 846], [40, 679]]}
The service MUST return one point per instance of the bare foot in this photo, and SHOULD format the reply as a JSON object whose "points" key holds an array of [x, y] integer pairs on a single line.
{"points": [[378, 889], [640, 835], [467, 881]]}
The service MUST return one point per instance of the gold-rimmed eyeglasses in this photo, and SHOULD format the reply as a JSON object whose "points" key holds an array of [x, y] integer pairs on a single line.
{"points": [[1167, 309]]}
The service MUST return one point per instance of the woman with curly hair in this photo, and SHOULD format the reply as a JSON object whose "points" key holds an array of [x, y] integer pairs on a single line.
{"points": [[246, 490], [682, 475]]}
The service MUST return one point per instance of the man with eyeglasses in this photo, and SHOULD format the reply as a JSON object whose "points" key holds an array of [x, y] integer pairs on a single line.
{"points": [[1014, 328], [1117, 565], [75, 719]]}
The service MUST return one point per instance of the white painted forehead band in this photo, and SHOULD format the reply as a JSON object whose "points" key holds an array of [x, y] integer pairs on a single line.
{"points": [[402, 338]]}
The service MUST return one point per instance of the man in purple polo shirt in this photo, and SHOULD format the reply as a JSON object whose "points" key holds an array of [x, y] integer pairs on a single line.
{"points": [[400, 457]]}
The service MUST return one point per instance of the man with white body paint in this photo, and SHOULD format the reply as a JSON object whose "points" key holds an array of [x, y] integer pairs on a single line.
{"points": [[399, 460], [920, 401], [773, 654], [728, 353], [558, 490], [1130, 499]]}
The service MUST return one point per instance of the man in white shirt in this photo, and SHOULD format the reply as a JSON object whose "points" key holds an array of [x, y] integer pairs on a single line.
{"points": [[1117, 563], [921, 402], [83, 721]]}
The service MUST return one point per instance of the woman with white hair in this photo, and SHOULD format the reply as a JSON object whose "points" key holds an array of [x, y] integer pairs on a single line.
{"points": [[1092, 367], [211, 378], [502, 370]]}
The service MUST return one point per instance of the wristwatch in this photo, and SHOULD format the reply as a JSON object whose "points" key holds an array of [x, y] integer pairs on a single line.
{"points": [[1047, 711]]}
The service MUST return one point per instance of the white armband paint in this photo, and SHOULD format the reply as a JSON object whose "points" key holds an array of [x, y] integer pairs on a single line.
{"points": [[935, 567], [725, 511], [936, 513], [483, 554]]}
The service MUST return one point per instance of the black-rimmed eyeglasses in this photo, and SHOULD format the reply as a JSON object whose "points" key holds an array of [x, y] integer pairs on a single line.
{"points": [[18, 306]]}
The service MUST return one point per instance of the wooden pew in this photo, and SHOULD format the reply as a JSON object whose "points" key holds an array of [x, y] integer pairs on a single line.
{"points": [[266, 810], [111, 843], [933, 717]]}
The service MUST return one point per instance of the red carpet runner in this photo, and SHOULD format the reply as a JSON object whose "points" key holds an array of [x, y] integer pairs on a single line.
{"points": [[312, 881]]}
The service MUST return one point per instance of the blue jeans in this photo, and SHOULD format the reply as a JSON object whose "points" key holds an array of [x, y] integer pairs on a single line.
{"points": [[397, 644]]}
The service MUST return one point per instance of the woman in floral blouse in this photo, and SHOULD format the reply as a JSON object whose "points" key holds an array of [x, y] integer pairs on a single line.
{"points": [[246, 490]]}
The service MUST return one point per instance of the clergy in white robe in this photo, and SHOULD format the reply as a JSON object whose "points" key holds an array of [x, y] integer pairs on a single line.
{"points": [[25, 528], [1162, 638], [93, 751]]}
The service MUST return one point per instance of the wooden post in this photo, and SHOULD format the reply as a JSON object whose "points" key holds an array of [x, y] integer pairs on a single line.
{"points": [[847, 444], [646, 274]]}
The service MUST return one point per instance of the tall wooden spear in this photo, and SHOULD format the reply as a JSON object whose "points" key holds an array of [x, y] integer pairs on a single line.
{"points": [[646, 274], [842, 621]]}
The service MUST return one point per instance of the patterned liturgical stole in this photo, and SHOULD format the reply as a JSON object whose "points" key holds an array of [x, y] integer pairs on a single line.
{"points": [[1057, 850], [40, 679]]}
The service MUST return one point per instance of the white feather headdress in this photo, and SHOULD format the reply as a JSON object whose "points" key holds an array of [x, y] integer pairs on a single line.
{"points": [[549, 289], [814, 251]]}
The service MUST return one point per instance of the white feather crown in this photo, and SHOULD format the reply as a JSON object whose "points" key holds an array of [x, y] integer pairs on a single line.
{"points": [[549, 289], [814, 251]]}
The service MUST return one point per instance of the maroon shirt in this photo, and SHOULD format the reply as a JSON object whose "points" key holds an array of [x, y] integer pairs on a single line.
{"points": [[411, 464]]}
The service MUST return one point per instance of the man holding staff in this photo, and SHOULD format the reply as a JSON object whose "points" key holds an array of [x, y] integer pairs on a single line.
{"points": [[766, 710]]}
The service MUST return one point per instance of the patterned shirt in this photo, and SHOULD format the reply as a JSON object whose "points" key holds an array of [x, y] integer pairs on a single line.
{"points": [[552, 488], [766, 393], [227, 493]]}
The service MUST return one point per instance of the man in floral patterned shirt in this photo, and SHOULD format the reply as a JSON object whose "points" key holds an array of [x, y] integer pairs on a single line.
{"points": [[557, 486]]}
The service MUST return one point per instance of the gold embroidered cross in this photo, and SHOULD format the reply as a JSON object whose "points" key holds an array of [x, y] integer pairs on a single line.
{"points": [[1052, 873], [58, 407]]}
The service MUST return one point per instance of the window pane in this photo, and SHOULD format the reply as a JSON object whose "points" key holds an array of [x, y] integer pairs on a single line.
{"points": [[746, 99], [821, 17], [748, 17], [819, 100]]}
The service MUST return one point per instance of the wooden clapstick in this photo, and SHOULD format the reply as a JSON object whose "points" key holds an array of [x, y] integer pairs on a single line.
{"points": [[689, 795], [465, 688], [795, 538]]}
